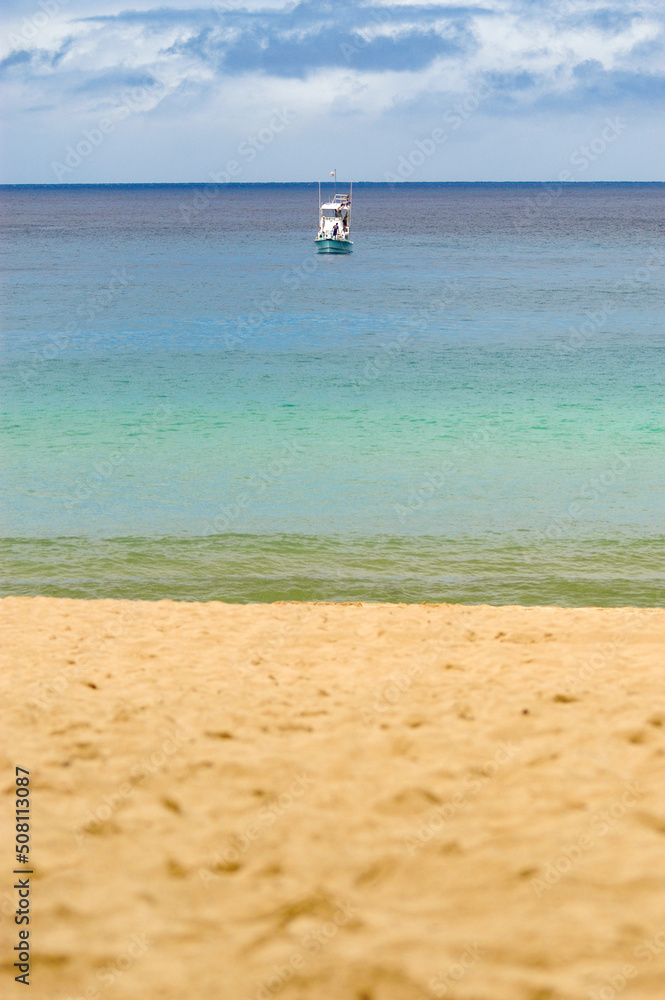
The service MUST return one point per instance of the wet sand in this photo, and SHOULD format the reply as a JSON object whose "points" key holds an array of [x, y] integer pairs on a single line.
{"points": [[337, 802]]}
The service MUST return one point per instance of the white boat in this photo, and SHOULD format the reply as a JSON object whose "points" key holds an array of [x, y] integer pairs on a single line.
{"points": [[335, 223]]}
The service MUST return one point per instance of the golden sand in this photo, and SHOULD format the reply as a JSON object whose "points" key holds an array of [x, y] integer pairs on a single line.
{"points": [[336, 802]]}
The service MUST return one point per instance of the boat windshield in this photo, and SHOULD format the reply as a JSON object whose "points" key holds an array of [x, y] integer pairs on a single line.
{"points": [[329, 213]]}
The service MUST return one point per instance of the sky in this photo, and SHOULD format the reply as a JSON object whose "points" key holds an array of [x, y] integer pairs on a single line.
{"points": [[136, 91]]}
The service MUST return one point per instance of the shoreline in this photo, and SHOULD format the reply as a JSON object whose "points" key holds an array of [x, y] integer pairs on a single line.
{"points": [[396, 570]]}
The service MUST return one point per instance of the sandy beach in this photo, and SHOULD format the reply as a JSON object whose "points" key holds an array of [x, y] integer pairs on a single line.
{"points": [[337, 802]]}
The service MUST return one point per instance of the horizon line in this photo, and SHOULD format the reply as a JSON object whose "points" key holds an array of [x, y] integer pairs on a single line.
{"points": [[237, 184]]}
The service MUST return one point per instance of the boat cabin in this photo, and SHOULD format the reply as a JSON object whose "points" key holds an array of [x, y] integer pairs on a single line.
{"points": [[335, 218]]}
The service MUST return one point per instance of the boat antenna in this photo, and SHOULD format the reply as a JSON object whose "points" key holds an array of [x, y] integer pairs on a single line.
{"points": [[319, 199], [333, 173]]}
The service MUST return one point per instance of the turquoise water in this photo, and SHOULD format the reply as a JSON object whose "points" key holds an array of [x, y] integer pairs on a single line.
{"points": [[467, 408]]}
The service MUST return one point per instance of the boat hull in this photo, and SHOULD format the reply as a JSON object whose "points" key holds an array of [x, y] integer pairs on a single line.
{"points": [[333, 245]]}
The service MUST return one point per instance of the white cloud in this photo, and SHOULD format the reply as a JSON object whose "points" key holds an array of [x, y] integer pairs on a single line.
{"points": [[372, 77]]}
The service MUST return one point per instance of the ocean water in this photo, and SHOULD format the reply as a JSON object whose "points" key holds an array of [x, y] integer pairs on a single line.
{"points": [[469, 407]]}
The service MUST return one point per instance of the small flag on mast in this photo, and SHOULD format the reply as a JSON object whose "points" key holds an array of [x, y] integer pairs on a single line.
{"points": [[332, 173]]}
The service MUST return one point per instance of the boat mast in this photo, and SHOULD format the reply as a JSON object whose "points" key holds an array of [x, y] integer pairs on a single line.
{"points": [[319, 201], [350, 196]]}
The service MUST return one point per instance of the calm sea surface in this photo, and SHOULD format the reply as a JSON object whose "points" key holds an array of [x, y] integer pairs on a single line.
{"points": [[469, 407]]}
